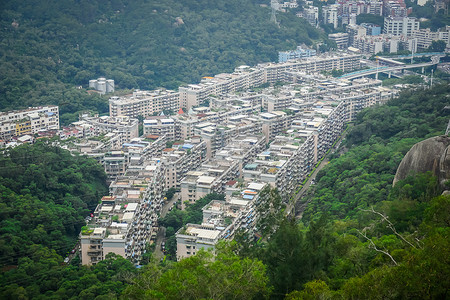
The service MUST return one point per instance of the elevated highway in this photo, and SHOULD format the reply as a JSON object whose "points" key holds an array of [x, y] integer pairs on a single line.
{"points": [[388, 69]]}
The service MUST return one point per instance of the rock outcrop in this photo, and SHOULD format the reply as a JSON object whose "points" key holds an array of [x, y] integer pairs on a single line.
{"points": [[433, 155]]}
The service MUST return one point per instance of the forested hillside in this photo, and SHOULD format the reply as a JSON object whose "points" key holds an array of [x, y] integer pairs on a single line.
{"points": [[45, 195], [50, 47]]}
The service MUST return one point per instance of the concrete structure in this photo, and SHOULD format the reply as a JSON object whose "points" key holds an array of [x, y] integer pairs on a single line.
{"points": [[226, 165], [125, 221], [103, 85], [425, 37], [221, 219], [340, 38], [311, 14], [400, 26], [371, 29], [339, 61], [182, 158], [144, 103], [160, 126], [125, 127], [330, 14], [194, 238], [29, 121], [395, 8], [243, 77], [299, 53]]}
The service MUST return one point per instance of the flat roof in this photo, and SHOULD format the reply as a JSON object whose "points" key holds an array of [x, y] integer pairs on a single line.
{"points": [[238, 202], [206, 179], [256, 186], [203, 233], [131, 207], [106, 208], [128, 216], [100, 230]]}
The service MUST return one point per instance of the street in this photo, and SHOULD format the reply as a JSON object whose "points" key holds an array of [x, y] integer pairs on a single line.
{"points": [[160, 237]]}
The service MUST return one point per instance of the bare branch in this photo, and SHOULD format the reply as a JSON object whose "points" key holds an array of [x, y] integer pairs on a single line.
{"points": [[390, 225], [375, 247]]}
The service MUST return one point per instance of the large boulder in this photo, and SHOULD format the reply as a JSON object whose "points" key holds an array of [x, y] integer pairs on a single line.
{"points": [[432, 154]]}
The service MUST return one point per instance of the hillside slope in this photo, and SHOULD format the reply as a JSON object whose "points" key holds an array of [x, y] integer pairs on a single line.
{"points": [[49, 47]]}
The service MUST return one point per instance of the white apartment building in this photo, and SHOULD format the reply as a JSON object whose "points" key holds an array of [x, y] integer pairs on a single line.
{"points": [[243, 77], [182, 158], [28, 121], [311, 14], [341, 61], [194, 238], [160, 127], [400, 26], [124, 126], [330, 14], [144, 103], [221, 219], [340, 38], [425, 37], [124, 222], [274, 123]]}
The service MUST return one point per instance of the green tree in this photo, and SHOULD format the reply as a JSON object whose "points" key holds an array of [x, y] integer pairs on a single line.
{"points": [[203, 277]]}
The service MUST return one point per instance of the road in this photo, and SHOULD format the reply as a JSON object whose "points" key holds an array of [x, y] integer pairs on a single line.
{"points": [[385, 69], [297, 206], [161, 236]]}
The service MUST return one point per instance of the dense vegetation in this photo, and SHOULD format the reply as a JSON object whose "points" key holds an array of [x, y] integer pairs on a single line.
{"points": [[48, 48], [45, 195]]}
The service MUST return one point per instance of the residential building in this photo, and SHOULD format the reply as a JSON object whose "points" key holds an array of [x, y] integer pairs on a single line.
{"points": [[395, 9], [371, 29], [330, 14], [194, 238], [339, 61], [160, 126], [400, 26], [221, 219], [311, 14], [124, 126], [299, 53], [340, 38], [425, 37], [144, 103], [28, 121], [182, 158]]}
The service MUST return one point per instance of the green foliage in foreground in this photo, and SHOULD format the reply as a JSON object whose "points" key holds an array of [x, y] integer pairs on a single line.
{"points": [[58, 45], [203, 276], [45, 195], [43, 277]]}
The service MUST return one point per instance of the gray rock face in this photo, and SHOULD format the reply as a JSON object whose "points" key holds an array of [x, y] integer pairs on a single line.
{"points": [[432, 155]]}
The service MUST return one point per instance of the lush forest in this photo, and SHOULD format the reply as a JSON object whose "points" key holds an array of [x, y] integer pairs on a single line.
{"points": [[50, 47], [45, 195]]}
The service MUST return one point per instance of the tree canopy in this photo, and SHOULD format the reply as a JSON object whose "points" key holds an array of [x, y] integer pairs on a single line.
{"points": [[48, 48]]}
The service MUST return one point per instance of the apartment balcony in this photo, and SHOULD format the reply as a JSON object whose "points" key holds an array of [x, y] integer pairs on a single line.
{"points": [[94, 253]]}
